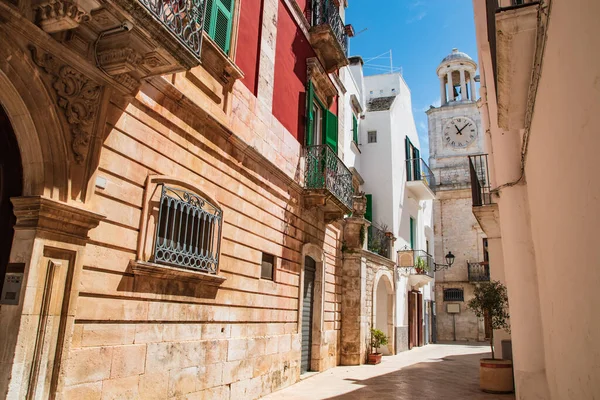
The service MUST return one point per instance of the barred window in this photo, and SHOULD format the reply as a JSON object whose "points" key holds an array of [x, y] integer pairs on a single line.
{"points": [[188, 231], [454, 295]]}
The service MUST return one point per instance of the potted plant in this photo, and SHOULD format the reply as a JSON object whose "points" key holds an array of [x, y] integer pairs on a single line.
{"points": [[421, 266], [378, 339], [490, 299]]}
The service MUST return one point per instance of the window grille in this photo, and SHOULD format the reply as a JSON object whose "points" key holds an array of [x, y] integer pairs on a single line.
{"points": [[188, 231], [454, 295], [372, 137]]}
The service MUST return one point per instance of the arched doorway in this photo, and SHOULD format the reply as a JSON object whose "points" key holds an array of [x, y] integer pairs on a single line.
{"points": [[383, 313], [11, 185], [308, 292]]}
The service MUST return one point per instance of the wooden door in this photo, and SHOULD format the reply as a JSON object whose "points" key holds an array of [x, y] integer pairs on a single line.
{"points": [[412, 320], [420, 335], [307, 313]]}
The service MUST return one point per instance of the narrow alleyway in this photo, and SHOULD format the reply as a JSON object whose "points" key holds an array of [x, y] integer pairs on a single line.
{"points": [[437, 371]]}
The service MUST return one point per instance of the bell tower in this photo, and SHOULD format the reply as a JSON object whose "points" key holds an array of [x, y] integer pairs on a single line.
{"points": [[455, 133]]}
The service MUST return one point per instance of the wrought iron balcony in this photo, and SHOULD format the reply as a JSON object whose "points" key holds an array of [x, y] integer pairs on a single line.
{"points": [[182, 18], [484, 209], [378, 241], [328, 182], [420, 179], [420, 265], [479, 272], [329, 35], [480, 180]]}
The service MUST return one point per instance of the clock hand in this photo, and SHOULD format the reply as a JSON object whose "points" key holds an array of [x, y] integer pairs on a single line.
{"points": [[458, 132]]}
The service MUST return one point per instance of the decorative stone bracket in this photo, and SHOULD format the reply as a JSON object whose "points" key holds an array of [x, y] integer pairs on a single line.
{"points": [[61, 15], [324, 88]]}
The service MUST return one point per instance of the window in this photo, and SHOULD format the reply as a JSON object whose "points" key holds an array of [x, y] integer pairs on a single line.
{"points": [[188, 231], [218, 22], [322, 124], [354, 129], [267, 266], [413, 225], [454, 295], [372, 137]]}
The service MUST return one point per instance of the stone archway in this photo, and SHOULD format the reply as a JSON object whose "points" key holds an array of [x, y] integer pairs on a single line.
{"points": [[384, 308]]}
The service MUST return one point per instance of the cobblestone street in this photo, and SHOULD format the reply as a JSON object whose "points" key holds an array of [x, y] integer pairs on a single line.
{"points": [[437, 371]]}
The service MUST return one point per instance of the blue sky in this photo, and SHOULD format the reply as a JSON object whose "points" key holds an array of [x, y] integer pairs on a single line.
{"points": [[420, 34]]}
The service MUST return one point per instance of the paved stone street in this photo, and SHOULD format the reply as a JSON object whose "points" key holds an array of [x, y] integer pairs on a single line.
{"points": [[437, 371]]}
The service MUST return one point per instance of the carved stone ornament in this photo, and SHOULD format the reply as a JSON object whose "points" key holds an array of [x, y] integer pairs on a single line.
{"points": [[78, 96], [61, 15]]}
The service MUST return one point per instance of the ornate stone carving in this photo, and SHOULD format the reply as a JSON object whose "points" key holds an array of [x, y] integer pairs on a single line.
{"points": [[61, 15], [127, 81], [119, 61], [78, 96]]}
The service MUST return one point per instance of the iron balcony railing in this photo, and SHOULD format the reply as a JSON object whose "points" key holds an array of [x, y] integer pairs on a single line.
{"points": [[324, 170], [418, 170], [479, 272], [183, 18], [378, 242], [423, 263], [188, 232], [326, 12], [480, 180]]}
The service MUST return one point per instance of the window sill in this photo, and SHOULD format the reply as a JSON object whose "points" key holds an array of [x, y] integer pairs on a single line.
{"points": [[145, 268]]}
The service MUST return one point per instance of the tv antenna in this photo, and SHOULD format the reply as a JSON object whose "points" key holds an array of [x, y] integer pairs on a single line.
{"points": [[382, 68]]}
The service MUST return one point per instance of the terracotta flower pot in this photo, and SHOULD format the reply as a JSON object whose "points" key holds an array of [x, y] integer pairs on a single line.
{"points": [[374, 358], [496, 376]]}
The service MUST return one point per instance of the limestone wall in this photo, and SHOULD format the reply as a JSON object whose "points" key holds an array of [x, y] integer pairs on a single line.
{"points": [[157, 339]]}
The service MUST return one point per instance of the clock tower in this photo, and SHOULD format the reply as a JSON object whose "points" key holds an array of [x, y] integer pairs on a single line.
{"points": [[455, 132]]}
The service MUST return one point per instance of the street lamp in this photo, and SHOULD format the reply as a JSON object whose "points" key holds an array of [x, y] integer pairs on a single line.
{"points": [[449, 261]]}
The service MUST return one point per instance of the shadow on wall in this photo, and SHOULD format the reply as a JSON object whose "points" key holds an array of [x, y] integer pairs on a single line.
{"points": [[453, 377]]}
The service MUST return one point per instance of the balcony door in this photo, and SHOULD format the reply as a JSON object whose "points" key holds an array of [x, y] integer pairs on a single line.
{"points": [[413, 159]]}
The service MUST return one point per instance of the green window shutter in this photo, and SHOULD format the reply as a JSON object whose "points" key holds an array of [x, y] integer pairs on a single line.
{"points": [[408, 157], [412, 233], [218, 20], [369, 211], [331, 131], [417, 164], [310, 98], [354, 129]]}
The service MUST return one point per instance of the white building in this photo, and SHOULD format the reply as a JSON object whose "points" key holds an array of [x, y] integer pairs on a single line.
{"points": [[399, 192]]}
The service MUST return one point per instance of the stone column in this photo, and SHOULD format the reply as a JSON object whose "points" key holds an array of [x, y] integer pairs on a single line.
{"points": [[266, 66], [473, 94], [442, 90], [463, 86], [47, 249], [450, 87]]}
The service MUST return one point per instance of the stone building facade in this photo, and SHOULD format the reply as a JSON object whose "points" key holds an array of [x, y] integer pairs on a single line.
{"points": [[455, 132], [542, 218], [121, 136]]}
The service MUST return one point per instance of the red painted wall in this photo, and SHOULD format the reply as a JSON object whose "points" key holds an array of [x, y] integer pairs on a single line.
{"points": [[248, 44]]}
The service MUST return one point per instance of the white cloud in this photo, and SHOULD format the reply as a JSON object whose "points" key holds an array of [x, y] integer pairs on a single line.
{"points": [[417, 17]]}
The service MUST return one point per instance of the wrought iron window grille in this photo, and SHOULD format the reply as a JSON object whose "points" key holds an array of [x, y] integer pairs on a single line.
{"points": [[188, 231], [479, 271], [454, 295], [183, 18]]}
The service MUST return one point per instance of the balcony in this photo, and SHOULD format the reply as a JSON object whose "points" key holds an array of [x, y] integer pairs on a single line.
{"points": [[329, 35], [484, 209], [513, 31], [479, 272], [420, 180], [327, 182], [379, 241], [419, 264]]}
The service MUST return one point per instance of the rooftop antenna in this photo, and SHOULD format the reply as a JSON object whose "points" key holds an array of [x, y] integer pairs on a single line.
{"points": [[355, 35], [381, 67]]}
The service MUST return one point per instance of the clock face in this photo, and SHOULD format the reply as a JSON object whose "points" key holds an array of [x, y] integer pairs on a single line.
{"points": [[460, 132]]}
